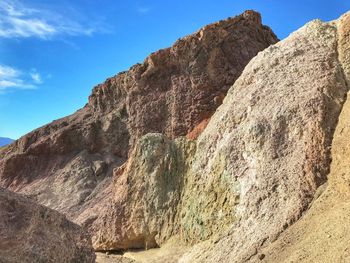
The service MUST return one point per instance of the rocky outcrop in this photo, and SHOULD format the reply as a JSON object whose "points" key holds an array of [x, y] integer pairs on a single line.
{"points": [[245, 184], [144, 210], [257, 165], [33, 233], [323, 233], [68, 164], [269, 143]]}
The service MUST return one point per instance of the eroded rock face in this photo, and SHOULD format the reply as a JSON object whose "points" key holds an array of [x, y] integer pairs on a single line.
{"points": [[68, 164], [269, 143], [32, 233], [145, 207], [258, 163], [323, 233]]}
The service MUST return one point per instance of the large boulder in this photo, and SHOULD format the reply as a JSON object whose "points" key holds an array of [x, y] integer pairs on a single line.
{"points": [[269, 147], [323, 233], [68, 164], [33, 233]]}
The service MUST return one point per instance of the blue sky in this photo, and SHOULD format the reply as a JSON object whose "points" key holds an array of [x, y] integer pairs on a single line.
{"points": [[53, 52]]}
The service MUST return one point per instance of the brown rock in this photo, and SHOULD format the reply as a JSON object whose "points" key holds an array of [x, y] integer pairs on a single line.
{"points": [[254, 169], [68, 164], [33, 233]]}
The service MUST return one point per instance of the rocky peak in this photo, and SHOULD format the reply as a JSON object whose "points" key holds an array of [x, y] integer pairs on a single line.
{"points": [[174, 91]]}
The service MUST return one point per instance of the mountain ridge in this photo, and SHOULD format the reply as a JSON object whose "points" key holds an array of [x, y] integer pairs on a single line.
{"points": [[5, 141]]}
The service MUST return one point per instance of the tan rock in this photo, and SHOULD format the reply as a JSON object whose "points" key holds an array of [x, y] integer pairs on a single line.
{"points": [[33, 233], [323, 233], [269, 146], [257, 164]]}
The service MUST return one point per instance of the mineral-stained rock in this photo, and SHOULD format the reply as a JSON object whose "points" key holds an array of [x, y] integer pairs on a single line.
{"points": [[257, 164], [241, 178], [32, 233], [144, 211], [255, 167], [68, 164], [268, 146]]}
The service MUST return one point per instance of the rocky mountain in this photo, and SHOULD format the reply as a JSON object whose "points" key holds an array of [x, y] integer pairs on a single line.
{"points": [[68, 164], [256, 167], [5, 141], [32, 233], [170, 155]]}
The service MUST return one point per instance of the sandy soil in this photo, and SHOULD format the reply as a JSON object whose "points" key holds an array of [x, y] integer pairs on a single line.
{"points": [[170, 252]]}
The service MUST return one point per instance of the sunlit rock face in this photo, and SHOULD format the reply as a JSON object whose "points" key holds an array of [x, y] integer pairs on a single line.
{"points": [[269, 145], [257, 165], [157, 154], [322, 234], [68, 164]]}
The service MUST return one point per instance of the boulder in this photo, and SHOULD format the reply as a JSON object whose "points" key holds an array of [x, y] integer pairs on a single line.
{"points": [[33, 233]]}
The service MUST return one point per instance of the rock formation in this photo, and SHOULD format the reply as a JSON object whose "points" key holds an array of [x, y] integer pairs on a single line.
{"points": [[247, 183], [255, 168], [323, 234], [147, 194], [269, 143], [32, 233], [68, 164]]}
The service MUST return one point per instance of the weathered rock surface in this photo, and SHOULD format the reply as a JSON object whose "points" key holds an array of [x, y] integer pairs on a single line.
{"points": [[32, 233], [68, 164], [255, 168], [144, 210], [269, 143], [244, 185], [323, 233]]}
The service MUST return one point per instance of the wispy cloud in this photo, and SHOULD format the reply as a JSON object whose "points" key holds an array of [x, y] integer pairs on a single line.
{"points": [[12, 78], [36, 78], [21, 21]]}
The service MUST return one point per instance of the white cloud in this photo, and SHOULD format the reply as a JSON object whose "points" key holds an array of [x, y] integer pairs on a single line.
{"points": [[20, 21], [12, 78], [8, 72]]}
